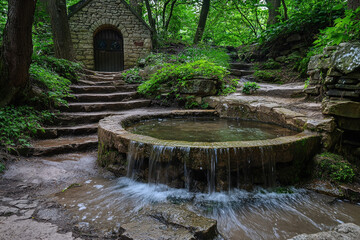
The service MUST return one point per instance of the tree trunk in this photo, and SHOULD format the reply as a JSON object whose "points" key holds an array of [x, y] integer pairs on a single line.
{"points": [[170, 15], [274, 11], [152, 23], [353, 4], [17, 49], [286, 17], [136, 5], [202, 21], [60, 29]]}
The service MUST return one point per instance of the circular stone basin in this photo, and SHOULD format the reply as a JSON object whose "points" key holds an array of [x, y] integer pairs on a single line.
{"points": [[202, 152]]}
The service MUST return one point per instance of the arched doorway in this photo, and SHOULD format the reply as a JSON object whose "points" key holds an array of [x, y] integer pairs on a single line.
{"points": [[109, 51]]}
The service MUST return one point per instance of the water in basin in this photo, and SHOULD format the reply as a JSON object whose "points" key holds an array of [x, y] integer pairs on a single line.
{"points": [[208, 129]]}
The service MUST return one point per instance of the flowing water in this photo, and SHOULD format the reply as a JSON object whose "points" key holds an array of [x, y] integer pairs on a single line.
{"points": [[260, 214], [207, 129]]}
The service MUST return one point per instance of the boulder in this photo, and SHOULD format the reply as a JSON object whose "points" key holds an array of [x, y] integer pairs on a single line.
{"points": [[199, 87], [347, 58], [169, 221], [348, 231]]}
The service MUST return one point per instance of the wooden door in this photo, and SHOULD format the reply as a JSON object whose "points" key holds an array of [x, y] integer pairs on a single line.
{"points": [[109, 51]]}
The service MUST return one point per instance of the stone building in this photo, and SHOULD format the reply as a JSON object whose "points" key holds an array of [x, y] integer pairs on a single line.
{"points": [[108, 35]]}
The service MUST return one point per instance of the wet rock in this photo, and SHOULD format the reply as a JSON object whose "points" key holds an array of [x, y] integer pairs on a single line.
{"points": [[7, 211], [201, 227], [324, 187], [348, 109], [148, 228], [347, 58], [348, 231], [351, 192], [169, 222], [82, 227], [16, 228], [51, 214]]}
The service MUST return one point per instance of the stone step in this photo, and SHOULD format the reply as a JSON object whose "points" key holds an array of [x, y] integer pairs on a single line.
{"points": [[241, 66], [71, 118], [63, 145], [103, 83], [103, 89], [241, 73], [105, 106], [92, 72], [102, 78], [103, 97], [291, 90], [58, 131]]}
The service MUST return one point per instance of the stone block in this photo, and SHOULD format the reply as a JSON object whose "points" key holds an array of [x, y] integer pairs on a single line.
{"points": [[341, 94], [351, 124], [349, 109]]}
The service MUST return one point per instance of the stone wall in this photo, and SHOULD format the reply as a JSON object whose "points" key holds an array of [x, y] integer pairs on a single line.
{"points": [[94, 15], [335, 78]]}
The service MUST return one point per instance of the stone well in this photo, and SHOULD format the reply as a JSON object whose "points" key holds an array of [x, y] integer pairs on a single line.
{"points": [[201, 166]]}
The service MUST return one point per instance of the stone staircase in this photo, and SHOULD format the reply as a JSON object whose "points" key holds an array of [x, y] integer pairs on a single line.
{"points": [[96, 96], [241, 69]]}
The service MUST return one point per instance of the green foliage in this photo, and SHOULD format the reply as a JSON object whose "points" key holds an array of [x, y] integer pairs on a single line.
{"points": [[191, 54], [54, 76], [18, 124], [307, 82], [229, 86], [65, 68], [211, 54], [174, 76], [307, 17], [42, 32], [3, 17], [250, 87], [335, 168], [56, 88], [270, 64], [132, 75], [345, 29]]}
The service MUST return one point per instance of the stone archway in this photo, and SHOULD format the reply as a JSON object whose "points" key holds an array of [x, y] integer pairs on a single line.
{"points": [[108, 50]]}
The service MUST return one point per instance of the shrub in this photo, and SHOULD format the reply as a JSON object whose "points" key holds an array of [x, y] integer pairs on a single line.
{"points": [[217, 56], [335, 168], [174, 76], [64, 68], [250, 87], [211, 54], [56, 88], [270, 64], [18, 124], [132, 75]]}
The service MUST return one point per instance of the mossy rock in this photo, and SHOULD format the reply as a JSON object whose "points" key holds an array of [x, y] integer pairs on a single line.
{"points": [[333, 167]]}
